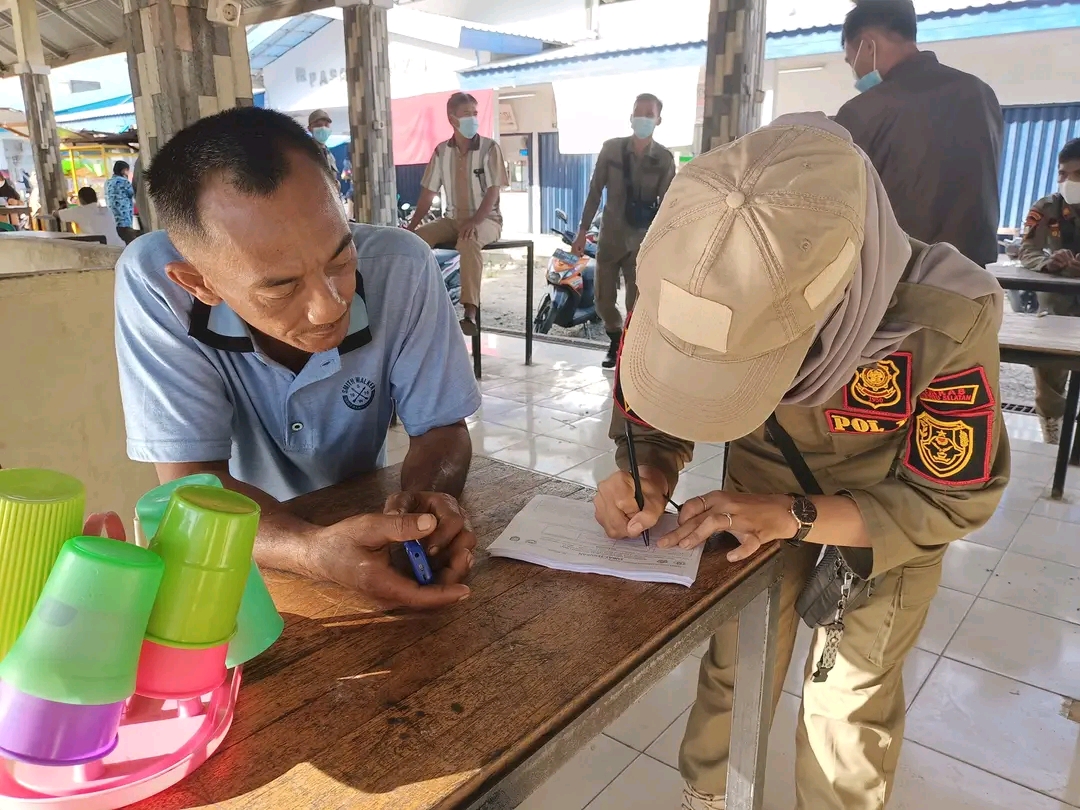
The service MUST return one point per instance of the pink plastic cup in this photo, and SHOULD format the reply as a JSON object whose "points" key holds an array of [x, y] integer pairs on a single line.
{"points": [[42, 732], [177, 673]]}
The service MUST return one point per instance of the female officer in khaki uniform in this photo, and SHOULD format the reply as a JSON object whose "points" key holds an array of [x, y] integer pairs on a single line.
{"points": [[775, 279]]}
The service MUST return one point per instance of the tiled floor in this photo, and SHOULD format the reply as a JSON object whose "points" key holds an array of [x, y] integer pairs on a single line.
{"points": [[991, 722]]}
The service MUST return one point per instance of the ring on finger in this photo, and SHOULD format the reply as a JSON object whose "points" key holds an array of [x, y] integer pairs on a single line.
{"points": [[704, 503], [730, 521]]}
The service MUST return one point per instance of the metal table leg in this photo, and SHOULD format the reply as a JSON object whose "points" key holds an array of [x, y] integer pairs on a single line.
{"points": [[1068, 429], [476, 360], [1074, 459], [752, 709], [530, 258]]}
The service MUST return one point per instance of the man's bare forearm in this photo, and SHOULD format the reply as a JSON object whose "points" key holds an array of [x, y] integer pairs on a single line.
{"points": [[284, 542], [487, 205], [438, 461]]}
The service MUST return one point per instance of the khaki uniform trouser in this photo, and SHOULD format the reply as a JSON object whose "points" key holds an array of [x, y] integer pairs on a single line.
{"points": [[445, 230], [608, 268], [1050, 383], [851, 726]]}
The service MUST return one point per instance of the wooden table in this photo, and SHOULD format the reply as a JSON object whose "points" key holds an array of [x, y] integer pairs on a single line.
{"points": [[1016, 277], [13, 212], [72, 237], [1049, 340], [475, 706]]}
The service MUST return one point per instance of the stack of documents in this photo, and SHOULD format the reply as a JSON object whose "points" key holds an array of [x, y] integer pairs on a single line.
{"points": [[563, 534]]}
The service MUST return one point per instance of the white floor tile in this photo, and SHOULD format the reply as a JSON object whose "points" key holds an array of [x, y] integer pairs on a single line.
{"points": [[1000, 530], [1023, 428], [533, 418], [526, 391], [1048, 539], [1049, 588], [489, 437], [712, 468], [583, 778], [917, 668], [591, 431], [396, 455], [645, 785], [396, 440], [545, 454], [1021, 495], [658, 708], [946, 612], [691, 485], [1067, 509], [1039, 448], [1001, 726], [927, 780], [968, 566], [1032, 466], [492, 406], [592, 472], [1025, 646], [578, 402]]}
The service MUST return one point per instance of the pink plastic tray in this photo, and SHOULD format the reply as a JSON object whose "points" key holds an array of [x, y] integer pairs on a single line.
{"points": [[161, 742]]}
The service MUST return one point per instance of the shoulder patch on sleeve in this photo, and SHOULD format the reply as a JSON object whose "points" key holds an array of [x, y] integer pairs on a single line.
{"points": [[953, 450], [964, 391]]}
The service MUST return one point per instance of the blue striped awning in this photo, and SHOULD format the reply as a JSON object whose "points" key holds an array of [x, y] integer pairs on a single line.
{"points": [[1033, 138]]}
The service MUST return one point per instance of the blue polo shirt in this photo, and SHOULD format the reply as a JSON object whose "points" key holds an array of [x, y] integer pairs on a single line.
{"points": [[196, 387]]}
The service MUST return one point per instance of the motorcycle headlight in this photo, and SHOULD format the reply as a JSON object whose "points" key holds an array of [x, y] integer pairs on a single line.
{"points": [[554, 277]]}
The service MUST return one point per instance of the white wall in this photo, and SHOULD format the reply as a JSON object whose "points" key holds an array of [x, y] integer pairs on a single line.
{"points": [[549, 18], [1023, 69], [535, 111]]}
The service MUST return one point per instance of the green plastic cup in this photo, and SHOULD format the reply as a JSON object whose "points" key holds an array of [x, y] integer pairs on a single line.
{"points": [[151, 506], [258, 625], [81, 645], [39, 511], [206, 537]]}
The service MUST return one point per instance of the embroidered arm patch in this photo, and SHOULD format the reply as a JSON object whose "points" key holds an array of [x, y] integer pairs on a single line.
{"points": [[962, 392], [953, 449]]}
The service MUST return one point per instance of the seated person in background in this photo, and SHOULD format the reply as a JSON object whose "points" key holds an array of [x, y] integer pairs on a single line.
{"points": [[1052, 245], [264, 340], [92, 218], [7, 191], [471, 170]]}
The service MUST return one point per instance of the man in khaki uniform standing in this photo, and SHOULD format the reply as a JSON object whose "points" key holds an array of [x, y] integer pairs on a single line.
{"points": [[636, 172], [470, 168], [1052, 245], [776, 280]]}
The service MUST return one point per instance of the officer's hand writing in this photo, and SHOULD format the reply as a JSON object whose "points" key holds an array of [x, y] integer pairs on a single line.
{"points": [[578, 248], [450, 547], [756, 520], [355, 553], [617, 510], [1060, 260]]}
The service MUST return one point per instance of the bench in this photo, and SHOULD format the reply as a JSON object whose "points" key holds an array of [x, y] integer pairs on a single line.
{"points": [[1049, 340], [506, 244]]}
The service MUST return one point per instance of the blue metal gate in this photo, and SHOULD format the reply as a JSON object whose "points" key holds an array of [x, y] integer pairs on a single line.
{"points": [[1033, 138], [564, 182]]}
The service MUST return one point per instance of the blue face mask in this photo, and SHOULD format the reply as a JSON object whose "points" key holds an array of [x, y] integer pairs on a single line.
{"points": [[321, 134], [468, 126], [871, 79], [643, 127]]}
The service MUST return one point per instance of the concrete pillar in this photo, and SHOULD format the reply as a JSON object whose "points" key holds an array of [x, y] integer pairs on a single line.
{"points": [[367, 79], [37, 99], [183, 68], [734, 67]]}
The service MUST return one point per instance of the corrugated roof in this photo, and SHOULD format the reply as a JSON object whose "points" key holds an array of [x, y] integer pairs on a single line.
{"points": [[285, 38], [801, 15]]}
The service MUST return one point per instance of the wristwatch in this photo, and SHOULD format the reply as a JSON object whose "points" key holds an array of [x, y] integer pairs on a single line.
{"points": [[804, 511]]}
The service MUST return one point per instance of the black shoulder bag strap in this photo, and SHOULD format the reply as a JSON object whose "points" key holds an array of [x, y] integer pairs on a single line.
{"points": [[799, 468], [628, 174]]}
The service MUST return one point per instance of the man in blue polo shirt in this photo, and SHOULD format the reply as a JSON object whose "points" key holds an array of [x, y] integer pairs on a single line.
{"points": [[262, 338]]}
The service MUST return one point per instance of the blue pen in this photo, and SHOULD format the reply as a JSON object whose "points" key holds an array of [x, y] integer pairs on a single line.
{"points": [[419, 562]]}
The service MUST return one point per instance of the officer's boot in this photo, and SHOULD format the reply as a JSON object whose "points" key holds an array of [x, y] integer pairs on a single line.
{"points": [[1051, 430], [694, 800], [613, 350]]}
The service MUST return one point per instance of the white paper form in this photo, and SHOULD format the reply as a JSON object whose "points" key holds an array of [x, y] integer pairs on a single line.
{"points": [[562, 534]]}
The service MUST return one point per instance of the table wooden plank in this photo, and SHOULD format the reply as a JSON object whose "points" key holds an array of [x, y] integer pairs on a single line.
{"points": [[1017, 277], [1050, 334], [362, 709]]}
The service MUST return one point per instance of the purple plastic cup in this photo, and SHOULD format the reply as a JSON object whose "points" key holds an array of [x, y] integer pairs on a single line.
{"points": [[42, 732]]}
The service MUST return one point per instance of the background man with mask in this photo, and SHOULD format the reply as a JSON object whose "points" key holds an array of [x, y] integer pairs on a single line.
{"points": [[318, 125], [636, 171], [933, 133], [470, 168], [1052, 245]]}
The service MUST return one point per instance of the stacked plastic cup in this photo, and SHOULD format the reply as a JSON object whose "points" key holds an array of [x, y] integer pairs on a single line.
{"points": [[64, 683], [151, 507], [258, 624], [39, 511], [205, 539]]}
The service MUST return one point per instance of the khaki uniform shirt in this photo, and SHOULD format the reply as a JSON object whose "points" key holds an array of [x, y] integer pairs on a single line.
{"points": [[934, 135], [917, 439], [651, 175], [1052, 225], [466, 176], [328, 156]]}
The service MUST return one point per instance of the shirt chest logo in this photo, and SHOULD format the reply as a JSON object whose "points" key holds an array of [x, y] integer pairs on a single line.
{"points": [[357, 393], [878, 398]]}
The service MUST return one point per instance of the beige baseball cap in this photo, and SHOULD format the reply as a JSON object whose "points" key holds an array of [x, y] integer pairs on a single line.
{"points": [[754, 246], [318, 115]]}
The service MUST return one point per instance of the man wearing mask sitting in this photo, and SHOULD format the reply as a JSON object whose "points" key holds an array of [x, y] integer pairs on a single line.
{"points": [[470, 168], [319, 126]]}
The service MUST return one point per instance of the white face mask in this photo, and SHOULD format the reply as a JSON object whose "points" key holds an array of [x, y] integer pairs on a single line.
{"points": [[1070, 190]]}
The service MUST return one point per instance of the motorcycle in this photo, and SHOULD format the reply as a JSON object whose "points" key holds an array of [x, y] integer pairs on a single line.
{"points": [[570, 302]]}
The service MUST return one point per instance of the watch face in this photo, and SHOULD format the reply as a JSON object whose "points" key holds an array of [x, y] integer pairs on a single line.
{"points": [[804, 510]]}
